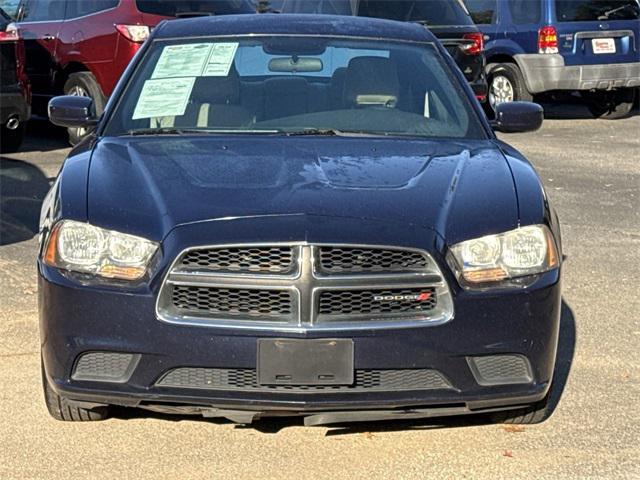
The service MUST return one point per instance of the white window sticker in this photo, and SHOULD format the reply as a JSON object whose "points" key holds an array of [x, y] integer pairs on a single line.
{"points": [[220, 60], [182, 60], [164, 97]]}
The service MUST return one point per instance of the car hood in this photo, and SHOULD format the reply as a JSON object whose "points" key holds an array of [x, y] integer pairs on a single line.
{"points": [[150, 185]]}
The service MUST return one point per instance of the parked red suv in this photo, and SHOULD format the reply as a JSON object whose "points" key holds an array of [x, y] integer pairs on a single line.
{"points": [[15, 94], [81, 47]]}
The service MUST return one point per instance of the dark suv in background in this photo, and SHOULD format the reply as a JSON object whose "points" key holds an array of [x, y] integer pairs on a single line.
{"points": [[81, 47], [15, 93], [448, 20], [538, 46]]}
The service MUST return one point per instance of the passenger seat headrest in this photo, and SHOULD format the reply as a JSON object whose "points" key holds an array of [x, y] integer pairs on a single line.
{"points": [[371, 81]]}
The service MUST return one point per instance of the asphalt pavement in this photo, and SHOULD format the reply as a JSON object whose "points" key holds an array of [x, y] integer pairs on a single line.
{"points": [[591, 171]]}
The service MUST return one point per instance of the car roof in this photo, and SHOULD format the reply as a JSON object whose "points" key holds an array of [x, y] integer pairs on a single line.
{"points": [[286, 24]]}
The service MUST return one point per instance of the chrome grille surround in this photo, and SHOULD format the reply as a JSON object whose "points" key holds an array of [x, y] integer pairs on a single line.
{"points": [[305, 284]]}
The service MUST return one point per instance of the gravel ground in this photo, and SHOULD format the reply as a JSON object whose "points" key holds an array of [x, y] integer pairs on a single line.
{"points": [[591, 170]]}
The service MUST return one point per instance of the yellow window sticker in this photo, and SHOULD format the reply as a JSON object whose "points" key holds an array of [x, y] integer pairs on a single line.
{"points": [[164, 97], [186, 60], [220, 59]]}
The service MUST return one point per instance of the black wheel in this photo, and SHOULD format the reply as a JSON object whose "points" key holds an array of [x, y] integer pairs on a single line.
{"points": [[84, 84], [11, 140], [611, 105], [535, 413], [506, 84], [61, 410]]}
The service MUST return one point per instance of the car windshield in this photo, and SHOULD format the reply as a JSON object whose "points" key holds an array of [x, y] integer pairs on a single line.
{"points": [[295, 85], [594, 10]]}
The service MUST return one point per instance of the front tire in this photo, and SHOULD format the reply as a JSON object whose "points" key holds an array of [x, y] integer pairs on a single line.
{"points": [[506, 84], [84, 84], [60, 409], [611, 105]]}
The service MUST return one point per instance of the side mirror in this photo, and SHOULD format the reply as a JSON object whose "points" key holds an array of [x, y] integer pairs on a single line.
{"points": [[518, 117], [72, 111]]}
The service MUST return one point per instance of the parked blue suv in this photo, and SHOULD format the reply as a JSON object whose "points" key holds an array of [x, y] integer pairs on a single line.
{"points": [[536, 46]]}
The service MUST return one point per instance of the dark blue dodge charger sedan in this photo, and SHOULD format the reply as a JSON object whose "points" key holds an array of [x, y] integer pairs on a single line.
{"points": [[297, 215]]}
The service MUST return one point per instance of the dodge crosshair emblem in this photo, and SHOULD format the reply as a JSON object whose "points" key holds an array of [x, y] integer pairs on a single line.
{"points": [[395, 298]]}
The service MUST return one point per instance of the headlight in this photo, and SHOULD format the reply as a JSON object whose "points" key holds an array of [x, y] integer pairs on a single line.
{"points": [[518, 253], [80, 247]]}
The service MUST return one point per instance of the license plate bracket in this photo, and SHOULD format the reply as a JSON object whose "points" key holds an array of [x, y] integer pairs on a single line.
{"points": [[288, 361], [603, 45]]}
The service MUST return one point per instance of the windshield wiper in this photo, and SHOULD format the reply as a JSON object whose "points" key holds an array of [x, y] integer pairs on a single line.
{"points": [[201, 131], [160, 131], [608, 13], [329, 132], [426, 23]]}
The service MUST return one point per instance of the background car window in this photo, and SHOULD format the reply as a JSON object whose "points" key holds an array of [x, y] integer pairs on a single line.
{"points": [[433, 12], [87, 7], [483, 12], [594, 10], [43, 10], [10, 7], [327, 7], [524, 11], [186, 8]]}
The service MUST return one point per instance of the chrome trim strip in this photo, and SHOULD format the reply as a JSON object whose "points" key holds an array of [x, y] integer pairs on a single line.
{"points": [[306, 284]]}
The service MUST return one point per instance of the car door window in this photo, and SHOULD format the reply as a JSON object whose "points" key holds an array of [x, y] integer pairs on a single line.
{"points": [[483, 12], [87, 7], [43, 10], [524, 11]]}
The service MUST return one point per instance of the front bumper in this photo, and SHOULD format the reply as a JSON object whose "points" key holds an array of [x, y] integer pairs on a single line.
{"points": [[544, 73], [77, 319]]}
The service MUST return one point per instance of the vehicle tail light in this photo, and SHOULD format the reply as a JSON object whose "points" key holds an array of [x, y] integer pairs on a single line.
{"points": [[547, 40], [135, 33], [477, 46], [10, 34]]}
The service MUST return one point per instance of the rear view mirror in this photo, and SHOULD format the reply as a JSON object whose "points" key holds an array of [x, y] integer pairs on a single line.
{"points": [[295, 64], [517, 117], [72, 112]]}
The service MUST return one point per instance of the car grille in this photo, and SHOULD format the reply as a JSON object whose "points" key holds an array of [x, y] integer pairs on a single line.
{"points": [[246, 379], [358, 259], [406, 301], [241, 260], [233, 301], [304, 286]]}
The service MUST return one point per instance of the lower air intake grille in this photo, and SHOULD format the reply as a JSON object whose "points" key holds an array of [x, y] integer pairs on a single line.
{"points": [[500, 369], [246, 379], [232, 301], [105, 366], [405, 301]]}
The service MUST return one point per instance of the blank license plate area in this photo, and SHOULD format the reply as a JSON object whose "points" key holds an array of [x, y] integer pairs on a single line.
{"points": [[284, 361], [603, 45]]}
